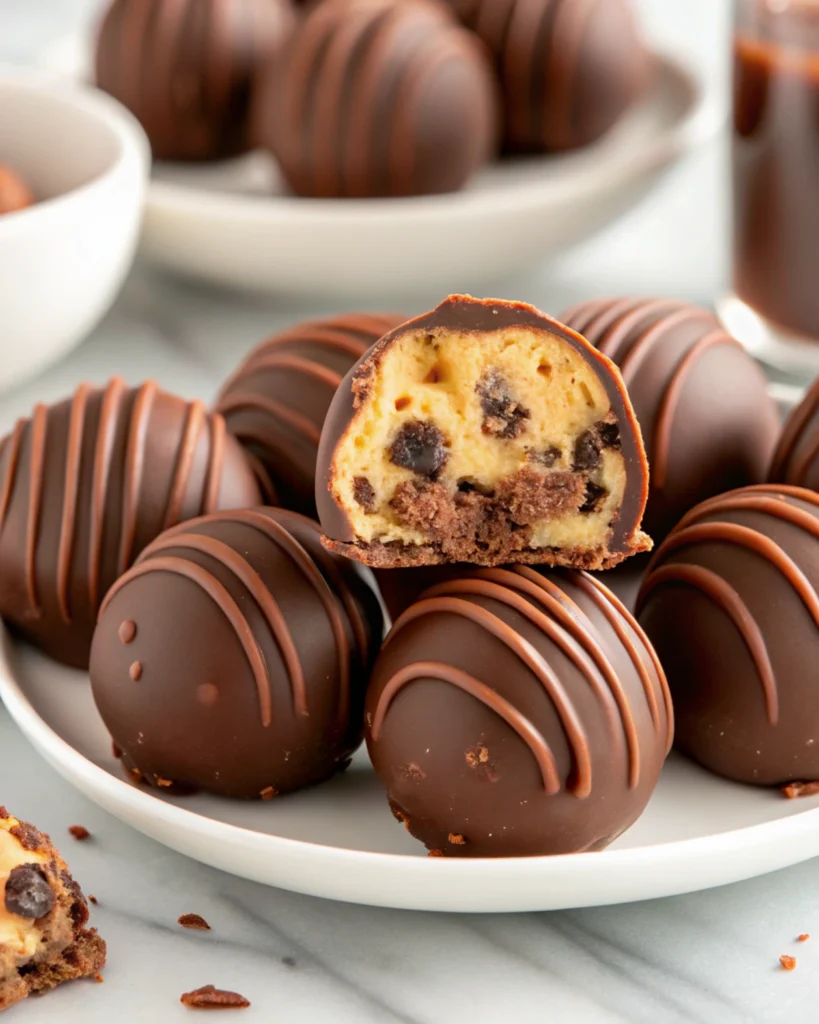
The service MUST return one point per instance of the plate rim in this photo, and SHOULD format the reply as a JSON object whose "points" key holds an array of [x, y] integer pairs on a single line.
{"points": [[138, 808]]}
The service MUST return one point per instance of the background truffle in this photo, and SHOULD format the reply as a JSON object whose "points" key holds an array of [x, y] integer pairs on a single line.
{"points": [[568, 69], [276, 401], [234, 656], [515, 713], [731, 604], [186, 69], [14, 191], [377, 98], [796, 459], [85, 484], [708, 422]]}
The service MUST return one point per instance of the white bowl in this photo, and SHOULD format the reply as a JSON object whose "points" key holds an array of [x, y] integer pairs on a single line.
{"points": [[63, 260]]}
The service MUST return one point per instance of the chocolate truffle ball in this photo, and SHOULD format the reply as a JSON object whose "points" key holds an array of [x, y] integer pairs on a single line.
{"points": [[796, 459], [234, 656], [85, 484], [702, 402], [731, 604], [517, 713], [377, 98], [568, 69], [276, 401], [14, 191], [482, 432], [185, 68]]}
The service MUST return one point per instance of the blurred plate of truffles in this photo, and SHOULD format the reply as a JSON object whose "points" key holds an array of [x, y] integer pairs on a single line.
{"points": [[365, 144]]}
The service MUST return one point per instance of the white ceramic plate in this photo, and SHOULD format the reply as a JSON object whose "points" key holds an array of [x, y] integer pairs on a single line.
{"points": [[233, 224], [340, 840]]}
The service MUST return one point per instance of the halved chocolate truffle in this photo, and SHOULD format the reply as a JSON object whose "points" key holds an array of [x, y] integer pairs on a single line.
{"points": [[568, 68], [377, 98], [702, 401], [85, 484], [482, 432], [517, 713], [276, 401], [731, 602], [185, 68], [796, 459], [234, 656]]}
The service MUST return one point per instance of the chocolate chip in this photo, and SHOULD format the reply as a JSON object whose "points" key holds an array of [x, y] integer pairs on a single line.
{"points": [[504, 416], [594, 497], [364, 493], [587, 450], [28, 893], [609, 435], [421, 447], [548, 457]]}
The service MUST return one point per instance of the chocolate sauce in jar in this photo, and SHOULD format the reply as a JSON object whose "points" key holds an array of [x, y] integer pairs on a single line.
{"points": [[776, 161]]}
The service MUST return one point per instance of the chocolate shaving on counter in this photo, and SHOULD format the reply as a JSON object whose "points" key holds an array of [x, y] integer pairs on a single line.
{"points": [[195, 921], [80, 833]]}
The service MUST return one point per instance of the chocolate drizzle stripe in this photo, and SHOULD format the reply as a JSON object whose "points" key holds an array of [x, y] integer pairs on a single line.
{"points": [[613, 608], [796, 423], [297, 421], [728, 601], [780, 491], [218, 438], [656, 334], [65, 548], [279, 535], [252, 582], [184, 461], [614, 326], [134, 463], [14, 446], [756, 543], [755, 503], [803, 462], [481, 692], [37, 443], [103, 453], [531, 658], [222, 599], [606, 315], [567, 40], [671, 399], [582, 314], [499, 584], [285, 361]]}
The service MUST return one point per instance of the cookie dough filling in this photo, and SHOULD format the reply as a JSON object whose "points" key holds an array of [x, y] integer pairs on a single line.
{"points": [[491, 448], [43, 941]]}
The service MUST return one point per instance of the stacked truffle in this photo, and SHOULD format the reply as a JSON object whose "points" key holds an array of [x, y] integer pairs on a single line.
{"points": [[367, 98]]}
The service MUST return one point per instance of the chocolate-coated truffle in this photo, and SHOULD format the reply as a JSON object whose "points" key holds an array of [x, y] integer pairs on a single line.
{"points": [[377, 98], [254, 646], [517, 713], [731, 604], [708, 421], [796, 459], [14, 191], [276, 401], [568, 68], [85, 484], [482, 432], [186, 68]]}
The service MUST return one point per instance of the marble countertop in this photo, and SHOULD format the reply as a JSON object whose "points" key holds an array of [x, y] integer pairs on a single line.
{"points": [[710, 958]]}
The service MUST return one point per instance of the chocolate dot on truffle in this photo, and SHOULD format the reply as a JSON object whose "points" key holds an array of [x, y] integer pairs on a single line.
{"points": [[135, 671], [28, 893], [127, 631], [207, 694]]}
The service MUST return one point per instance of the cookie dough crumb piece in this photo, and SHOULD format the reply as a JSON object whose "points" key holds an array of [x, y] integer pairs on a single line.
{"points": [[80, 833], [788, 962], [194, 921], [211, 998]]}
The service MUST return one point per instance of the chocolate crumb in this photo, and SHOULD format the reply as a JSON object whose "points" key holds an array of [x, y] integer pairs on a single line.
{"points": [[803, 937], [99, 979], [135, 671], [797, 789], [456, 839], [210, 998], [503, 414], [587, 451], [195, 922], [364, 494], [435, 853], [93, 899], [28, 893], [136, 775], [420, 447], [127, 631], [289, 961], [164, 783], [788, 962], [412, 772], [80, 832], [269, 792]]}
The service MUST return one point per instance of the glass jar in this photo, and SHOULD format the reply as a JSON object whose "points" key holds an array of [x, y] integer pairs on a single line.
{"points": [[776, 176]]}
